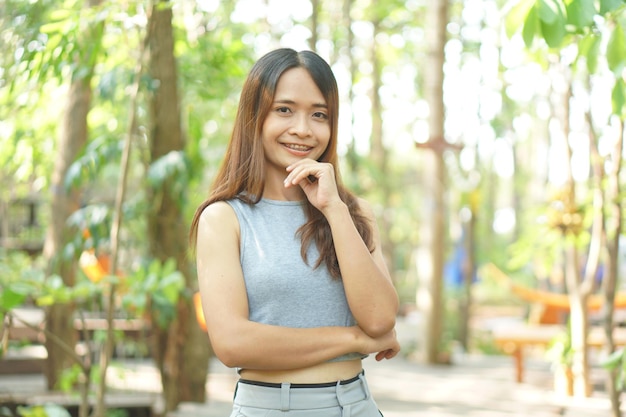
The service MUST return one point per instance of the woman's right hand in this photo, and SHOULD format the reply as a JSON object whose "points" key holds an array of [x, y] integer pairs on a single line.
{"points": [[385, 347]]}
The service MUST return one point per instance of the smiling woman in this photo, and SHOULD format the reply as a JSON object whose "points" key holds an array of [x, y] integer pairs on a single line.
{"points": [[294, 287]]}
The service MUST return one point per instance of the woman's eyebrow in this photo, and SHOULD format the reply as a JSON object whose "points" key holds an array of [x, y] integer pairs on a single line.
{"points": [[289, 101]]}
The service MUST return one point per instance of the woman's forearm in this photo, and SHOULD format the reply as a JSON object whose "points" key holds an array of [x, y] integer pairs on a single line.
{"points": [[252, 345], [371, 295]]}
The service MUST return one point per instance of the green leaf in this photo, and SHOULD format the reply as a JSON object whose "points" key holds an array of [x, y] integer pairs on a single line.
{"points": [[589, 48], [155, 267], [169, 266], [99, 153], [53, 410], [613, 360], [551, 21], [170, 165], [135, 301], [85, 290], [549, 11], [151, 282], [607, 6], [580, 13], [55, 282], [516, 17], [45, 300], [53, 27], [618, 98], [553, 33], [10, 298], [60, 14], [616, 50], [173, 285], [531, 25]]}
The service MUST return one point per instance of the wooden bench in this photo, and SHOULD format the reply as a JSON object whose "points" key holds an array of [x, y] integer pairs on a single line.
{"points": [[134, 404], [19, 360], [514, 339], [552, 308], [130, 327], [18, 331]]}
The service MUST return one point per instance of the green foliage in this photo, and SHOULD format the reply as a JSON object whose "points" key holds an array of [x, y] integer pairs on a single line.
{"points": [[560, 350], [171, 169], [155, 287], [589, 49], [23, 280], [555, 20], [616, 361], [516, 16], [69, 377], [552, 20], [47, 410], [59, 42], [212, 67], [616, 50], [608, 6], [89, 165], [580, 13], [618, 98], [118, 412], [158, 286]]}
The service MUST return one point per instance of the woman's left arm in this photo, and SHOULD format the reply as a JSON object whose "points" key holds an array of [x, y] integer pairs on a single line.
{"points": [[370, 292], [371, 295]]}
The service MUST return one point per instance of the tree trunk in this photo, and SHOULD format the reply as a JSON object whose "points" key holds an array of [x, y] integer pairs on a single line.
{"points": [[72, 138], [579, 327], [315, 14], [182, 350], [379, 153], [63, 202], [351, 155], [430, 267], [609, 280], [579, 286]]}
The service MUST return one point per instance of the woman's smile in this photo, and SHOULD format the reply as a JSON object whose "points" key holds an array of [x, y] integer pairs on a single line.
{"points": [[298, 149]]}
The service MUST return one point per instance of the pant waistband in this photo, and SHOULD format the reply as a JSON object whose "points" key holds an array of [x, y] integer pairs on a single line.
{"points": [[288, 396], [319, 385]]}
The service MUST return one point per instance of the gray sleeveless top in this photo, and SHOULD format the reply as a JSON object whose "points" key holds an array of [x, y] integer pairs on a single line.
{"points": [[282, 289]]}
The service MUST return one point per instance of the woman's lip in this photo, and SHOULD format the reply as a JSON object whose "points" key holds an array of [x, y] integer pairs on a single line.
{"points": [[299, 149]]}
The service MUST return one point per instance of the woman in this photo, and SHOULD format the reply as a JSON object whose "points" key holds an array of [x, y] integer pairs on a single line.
{"points": [[294, 286]]}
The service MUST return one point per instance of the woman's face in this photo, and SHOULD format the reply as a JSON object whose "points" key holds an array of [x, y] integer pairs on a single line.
{"points": [[297, 125]]}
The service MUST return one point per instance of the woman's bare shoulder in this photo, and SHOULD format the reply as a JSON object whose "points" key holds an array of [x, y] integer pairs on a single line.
{"points": [[218, 216]]}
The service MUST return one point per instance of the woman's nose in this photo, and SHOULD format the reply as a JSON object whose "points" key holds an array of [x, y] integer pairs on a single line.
{"points": [[301, 126]]}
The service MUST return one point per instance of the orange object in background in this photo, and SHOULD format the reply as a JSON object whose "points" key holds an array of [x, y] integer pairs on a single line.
{"points": [[197, 303], [553, 301], [95, 267]]}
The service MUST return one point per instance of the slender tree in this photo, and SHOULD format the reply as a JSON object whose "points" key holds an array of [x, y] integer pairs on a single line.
{"points": [[609, 283], [181, 350], [433, 236], [72, 138], [315, 14]]}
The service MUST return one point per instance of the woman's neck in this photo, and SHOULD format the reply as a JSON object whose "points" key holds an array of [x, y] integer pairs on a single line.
{"points": [[275, 190]]}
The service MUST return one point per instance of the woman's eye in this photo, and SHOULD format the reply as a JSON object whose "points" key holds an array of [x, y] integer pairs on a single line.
{"points": [[320, 115], [283, 110]]}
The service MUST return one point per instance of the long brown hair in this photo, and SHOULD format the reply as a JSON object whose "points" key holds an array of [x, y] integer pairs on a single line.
{"points": [[241, 174]]}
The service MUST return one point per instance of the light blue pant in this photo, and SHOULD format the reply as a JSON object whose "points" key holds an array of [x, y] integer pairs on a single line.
{"points": [[342, 399]]}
